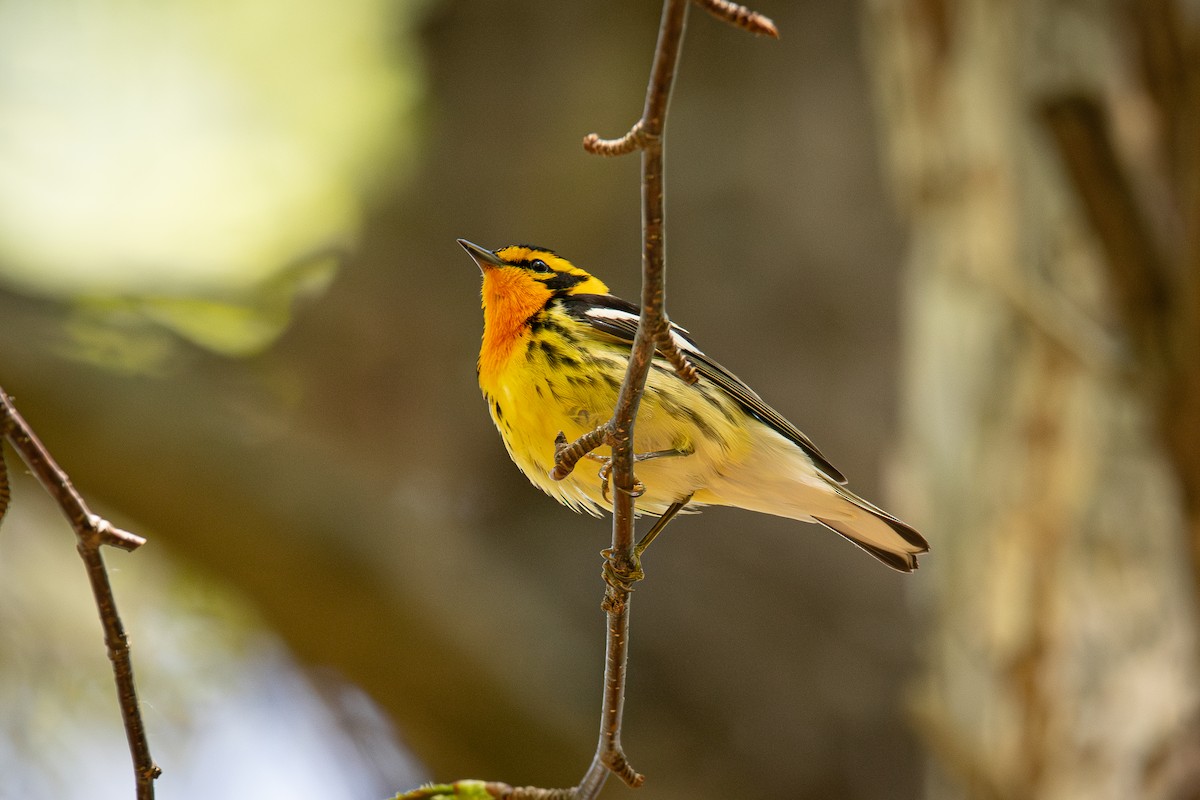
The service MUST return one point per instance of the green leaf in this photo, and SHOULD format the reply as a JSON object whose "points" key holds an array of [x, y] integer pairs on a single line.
{"points": [[459, 790]]}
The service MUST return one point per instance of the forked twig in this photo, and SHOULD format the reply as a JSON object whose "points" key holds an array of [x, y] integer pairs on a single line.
{"points": [[615, 147], [91, 533]]}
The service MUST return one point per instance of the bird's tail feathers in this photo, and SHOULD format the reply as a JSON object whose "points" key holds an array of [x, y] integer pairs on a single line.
{"points": [[781, 479], [875, 531]]}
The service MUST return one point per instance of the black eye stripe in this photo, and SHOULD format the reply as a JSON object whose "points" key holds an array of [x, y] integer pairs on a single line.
{"points": [[533, 265], [555, 281], [563, 281]]}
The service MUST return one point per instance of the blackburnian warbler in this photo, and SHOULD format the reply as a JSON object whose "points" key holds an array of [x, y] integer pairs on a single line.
{"points": [[555, 348]]}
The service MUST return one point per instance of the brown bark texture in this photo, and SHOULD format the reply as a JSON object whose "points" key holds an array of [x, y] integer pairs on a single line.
{"points": [[1039, 152]]}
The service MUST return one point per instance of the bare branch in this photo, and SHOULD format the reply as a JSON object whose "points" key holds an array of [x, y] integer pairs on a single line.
{"points": [[740, 17], [534, 793], [91, 533], [615, 147], [648, 134], [653, 333]]}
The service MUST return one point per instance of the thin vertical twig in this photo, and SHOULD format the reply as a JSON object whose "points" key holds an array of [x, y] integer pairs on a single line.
{"points": [[650, 130], [91, 533], [653, 333]]}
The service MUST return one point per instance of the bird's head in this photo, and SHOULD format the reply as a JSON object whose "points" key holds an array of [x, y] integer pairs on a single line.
{"points": [[520, 279]]}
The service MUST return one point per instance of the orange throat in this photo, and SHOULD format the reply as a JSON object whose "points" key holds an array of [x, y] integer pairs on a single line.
{"points": [[510, 298]]}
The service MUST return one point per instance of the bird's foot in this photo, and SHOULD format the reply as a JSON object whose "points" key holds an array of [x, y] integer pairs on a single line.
{"points": [[605, 475], [639, 488]]}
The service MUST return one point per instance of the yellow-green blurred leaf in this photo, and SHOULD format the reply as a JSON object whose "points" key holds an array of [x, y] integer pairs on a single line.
{"points": [[187, 154], [125, 334]]}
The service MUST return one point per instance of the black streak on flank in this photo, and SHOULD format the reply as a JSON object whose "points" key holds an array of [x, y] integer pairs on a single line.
{"points": [[554, 356], [552, 353], [705, 429], [713, 401], [544, 322]]}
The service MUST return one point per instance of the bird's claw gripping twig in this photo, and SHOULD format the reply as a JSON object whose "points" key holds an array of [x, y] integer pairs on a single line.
{"points": [[605, 475], [639, 488]]}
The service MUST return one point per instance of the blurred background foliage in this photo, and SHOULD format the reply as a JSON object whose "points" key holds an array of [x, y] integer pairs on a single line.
{"points": [[233, 308], [190, 154]]}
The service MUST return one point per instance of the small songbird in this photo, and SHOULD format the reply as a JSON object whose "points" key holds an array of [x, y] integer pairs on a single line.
{"points": [[555, 348]]}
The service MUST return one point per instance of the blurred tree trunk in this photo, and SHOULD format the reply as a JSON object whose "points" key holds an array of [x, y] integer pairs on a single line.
{"points": [[1037, 150]]}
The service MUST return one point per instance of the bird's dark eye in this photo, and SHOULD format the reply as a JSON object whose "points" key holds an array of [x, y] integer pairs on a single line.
{"points": [[537, 265]]}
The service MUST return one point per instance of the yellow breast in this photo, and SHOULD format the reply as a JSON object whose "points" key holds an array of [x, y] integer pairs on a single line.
{"points": [[548, 385], [544, 385]]}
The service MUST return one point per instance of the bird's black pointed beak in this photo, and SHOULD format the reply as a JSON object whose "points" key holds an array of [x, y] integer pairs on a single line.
{"points": [[485, 258]]}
